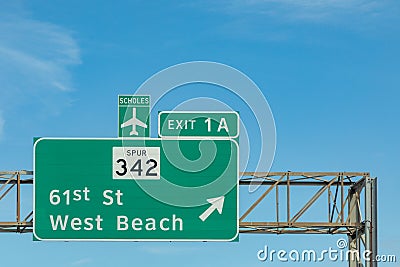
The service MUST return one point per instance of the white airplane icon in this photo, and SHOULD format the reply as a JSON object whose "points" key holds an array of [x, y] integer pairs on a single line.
{"points": [[134, 122]]}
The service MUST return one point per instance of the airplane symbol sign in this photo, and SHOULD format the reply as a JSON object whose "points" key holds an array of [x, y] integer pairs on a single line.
{"points": [[133, 116], [134, 122]]}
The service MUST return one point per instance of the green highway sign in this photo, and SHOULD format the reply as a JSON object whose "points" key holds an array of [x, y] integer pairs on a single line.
{"points": [[135, 189], [198, 124], [133, 116]]}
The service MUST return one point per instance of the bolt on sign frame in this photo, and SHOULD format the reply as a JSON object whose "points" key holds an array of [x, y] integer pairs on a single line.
{"points": [[350, 206]]}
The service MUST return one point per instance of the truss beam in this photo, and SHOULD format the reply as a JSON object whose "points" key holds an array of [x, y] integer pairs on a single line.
{"points": [[343, 211]]}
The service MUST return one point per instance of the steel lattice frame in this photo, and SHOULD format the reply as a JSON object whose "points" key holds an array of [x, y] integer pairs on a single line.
{"points": [[344, 206], [343, 215], [10, 182]]}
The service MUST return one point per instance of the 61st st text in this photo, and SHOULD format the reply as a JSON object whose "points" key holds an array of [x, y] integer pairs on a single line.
{"points": [[56, 197]]}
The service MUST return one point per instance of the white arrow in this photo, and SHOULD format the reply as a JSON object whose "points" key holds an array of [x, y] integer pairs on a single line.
{"points": [[217, 203]]}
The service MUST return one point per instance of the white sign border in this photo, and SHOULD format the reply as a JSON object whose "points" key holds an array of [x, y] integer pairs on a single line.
{"points": [[149, 117], [130, 240]]}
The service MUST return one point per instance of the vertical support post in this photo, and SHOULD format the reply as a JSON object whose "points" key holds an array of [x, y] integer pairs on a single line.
{"points": [[18, 199], [277, 205], [371, 220], [354, 238], [329, 204], [341, 179], [288, 198]]}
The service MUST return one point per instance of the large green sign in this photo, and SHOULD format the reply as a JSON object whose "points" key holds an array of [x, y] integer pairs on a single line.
{"points": [[197, 124], [135, 189], [133, 116]]}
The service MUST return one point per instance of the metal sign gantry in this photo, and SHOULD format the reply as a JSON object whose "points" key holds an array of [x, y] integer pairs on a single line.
{"points": [[350, 206]]}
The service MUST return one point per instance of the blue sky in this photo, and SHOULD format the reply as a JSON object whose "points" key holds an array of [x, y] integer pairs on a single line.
{"points": [[329, 70]]}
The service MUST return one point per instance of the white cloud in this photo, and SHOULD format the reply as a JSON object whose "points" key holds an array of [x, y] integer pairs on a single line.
{"points": [[1, 124], [81, 262], [316, 3], [294, 20], [36, 54], [35, 61], [311, 10]]}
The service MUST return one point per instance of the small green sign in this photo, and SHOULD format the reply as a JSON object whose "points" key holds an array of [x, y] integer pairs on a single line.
{"points": [[133, 116], [137, 189], [198, 124]]}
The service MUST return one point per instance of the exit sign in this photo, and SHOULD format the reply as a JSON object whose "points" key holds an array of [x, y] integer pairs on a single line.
{"points": [[198, 124], [115, 189]]}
